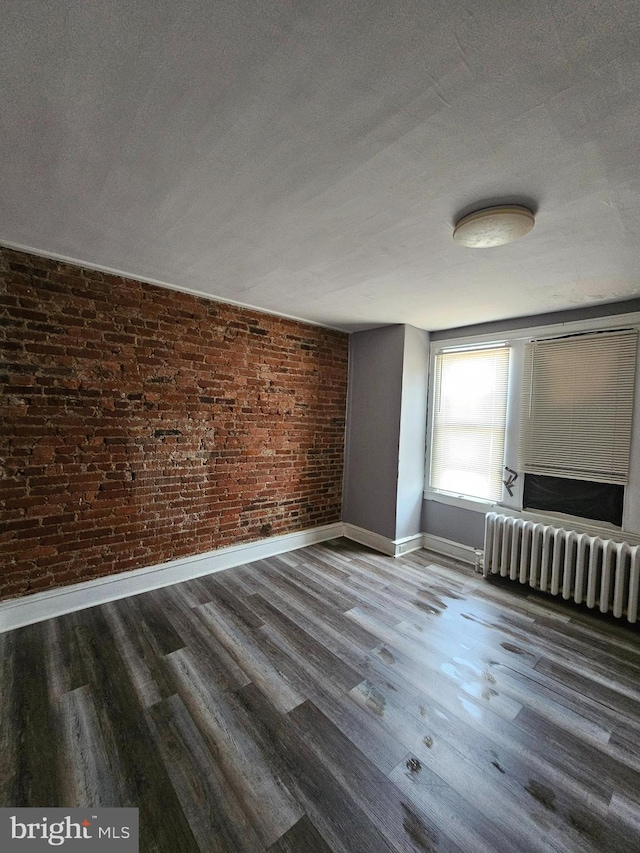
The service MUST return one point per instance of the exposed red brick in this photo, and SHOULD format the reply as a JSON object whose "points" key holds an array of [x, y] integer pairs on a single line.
{"points": [[140, 424]]}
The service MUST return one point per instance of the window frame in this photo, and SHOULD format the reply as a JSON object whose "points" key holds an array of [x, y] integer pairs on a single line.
{"points": [[516, 339], [451, 496]]}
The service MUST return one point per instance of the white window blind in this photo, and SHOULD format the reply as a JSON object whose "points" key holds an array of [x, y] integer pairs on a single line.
{"points": [[577, 406], [470, 405]]}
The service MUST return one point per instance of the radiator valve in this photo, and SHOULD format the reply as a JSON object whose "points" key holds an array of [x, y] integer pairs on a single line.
{"points": [[479, 565]]}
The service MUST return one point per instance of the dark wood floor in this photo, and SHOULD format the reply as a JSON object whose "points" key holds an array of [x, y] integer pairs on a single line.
{"points": [[332, 699]]}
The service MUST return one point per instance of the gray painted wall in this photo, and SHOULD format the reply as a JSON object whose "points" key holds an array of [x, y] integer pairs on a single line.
{"points": [[413, 430], [373, 429], [386, 430], [455, 523]]}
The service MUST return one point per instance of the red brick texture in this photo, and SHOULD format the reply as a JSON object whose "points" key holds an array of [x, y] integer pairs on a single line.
{"points": [[140, 424]]}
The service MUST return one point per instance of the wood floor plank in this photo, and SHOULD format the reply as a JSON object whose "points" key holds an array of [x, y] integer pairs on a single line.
{"points": [[199, 640], [554, 697], [242, 577], [573, 758], [33, 777], [215, 589], [623, 703], [626, 811], [266, 800], [417, 604], [214, 812], [364, 592], [66, 665], [91, 774], [249, 656], [336, 634], [143, 663], [9, 721], [313, 609], [465, 825], [333, 810], [141, 777], [303, 836], [625, 744], [299, 579], [149, 611], [506, 676], [383, 751], [306, 644], [436, 675], [379, 799]]}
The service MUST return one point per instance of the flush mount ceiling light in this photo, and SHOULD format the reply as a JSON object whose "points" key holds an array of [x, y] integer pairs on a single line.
{"points": [[493, 226]]}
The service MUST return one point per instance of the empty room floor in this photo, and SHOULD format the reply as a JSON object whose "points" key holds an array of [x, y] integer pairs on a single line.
{"points": [[332, 699]]}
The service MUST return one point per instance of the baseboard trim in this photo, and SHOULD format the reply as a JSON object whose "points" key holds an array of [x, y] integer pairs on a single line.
{"points": [[17, 612], [390, 547], [408, 544], [367, 537], [448, 548]]}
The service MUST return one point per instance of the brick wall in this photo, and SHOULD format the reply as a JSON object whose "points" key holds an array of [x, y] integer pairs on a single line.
{"points": [[139, 424]]}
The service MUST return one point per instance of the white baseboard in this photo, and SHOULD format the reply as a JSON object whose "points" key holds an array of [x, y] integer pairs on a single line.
{"points": [[390, 547], [448, 548], [408, 544], [369, 538], [17, 612]]}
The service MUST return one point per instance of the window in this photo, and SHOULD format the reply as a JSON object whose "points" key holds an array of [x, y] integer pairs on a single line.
{"points": [[544, 419], [469, 421]]}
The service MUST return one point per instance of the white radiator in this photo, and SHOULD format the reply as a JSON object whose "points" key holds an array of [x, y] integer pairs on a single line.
{"points": [[588, 569]]}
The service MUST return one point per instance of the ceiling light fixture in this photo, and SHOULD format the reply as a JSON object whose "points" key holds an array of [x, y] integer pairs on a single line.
{"points": [[493, 226]]}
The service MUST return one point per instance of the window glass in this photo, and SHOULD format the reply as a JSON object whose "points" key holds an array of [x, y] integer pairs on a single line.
{"points": [[470, 404]]}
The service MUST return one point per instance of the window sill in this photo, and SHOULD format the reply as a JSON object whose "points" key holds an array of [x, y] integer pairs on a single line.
{"points": [[464, 502]]}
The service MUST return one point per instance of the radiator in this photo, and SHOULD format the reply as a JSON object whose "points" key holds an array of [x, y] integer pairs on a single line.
{"points": [[590, 570]]}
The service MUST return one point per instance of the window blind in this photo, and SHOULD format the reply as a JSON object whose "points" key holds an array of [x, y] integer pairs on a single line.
{"points": [[577, 406], [470, 404]]}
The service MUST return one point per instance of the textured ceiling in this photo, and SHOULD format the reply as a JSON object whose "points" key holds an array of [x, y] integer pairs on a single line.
{"points": [[310, 158]]}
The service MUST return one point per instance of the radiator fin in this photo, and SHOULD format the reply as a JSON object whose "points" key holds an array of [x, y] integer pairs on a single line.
{"points": [[589, 569]]}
